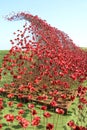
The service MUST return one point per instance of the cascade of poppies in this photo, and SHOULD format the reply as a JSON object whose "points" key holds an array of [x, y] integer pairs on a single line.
{"points": [[43, 56]]}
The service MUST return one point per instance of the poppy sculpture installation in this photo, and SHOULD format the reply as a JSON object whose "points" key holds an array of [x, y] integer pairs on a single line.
{"points": [[45, 65]]}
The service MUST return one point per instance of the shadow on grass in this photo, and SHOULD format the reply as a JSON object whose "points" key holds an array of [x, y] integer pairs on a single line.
{"points": [[1, 118], [40, 127], [16, 127], [5, 124], [65, 128], [13, 127], [69, 113], [27, 112], [8, 129], [11, 110]]}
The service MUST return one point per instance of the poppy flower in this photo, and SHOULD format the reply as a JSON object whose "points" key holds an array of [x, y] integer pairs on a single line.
{"points": [[44, 108], [11, 95], [47, 114], [20, 96], [10, 104], [35, 121], [1, 99], [29, 97], [19, 105], [63, 96], [59, 111], [80, 107], [2, 90], [24, 123], [34, 112], [9, 117], [21, 111], [18, 117], [71, 124], [30, 106], [1, 126], [1, 104], [53, 103], [72, 97], [44, 86], [49, 126]]}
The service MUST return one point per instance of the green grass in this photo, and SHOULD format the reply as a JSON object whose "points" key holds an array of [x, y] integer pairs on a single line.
{"points": [[61, 120], [2, 54], [7, 78]]}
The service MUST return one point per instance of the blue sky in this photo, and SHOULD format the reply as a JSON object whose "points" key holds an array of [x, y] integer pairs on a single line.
{"points": [[69, 16]]}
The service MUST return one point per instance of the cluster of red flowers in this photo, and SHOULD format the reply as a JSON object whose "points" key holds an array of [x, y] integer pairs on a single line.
{"points": [[35, 121], [22, 121], [56, 54], [42, 58], [1, 104], [9, 117], [75, 127], [42, 61]]}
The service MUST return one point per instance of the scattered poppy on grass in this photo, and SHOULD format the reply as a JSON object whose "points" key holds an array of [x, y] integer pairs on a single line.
{"points": [[2, 90], [19, 105], [29, 97], [18, 117], [1, 126], [47, 114], [24, 123], [49, 126], [33, 112], [80, 128], [30, 106], [59, 111], [9, 117], [83, 100], [21, 111], [43, 108], [10, 104], [36, 121], [80, 107], [19, 77], [71, 124], [1, 99]]}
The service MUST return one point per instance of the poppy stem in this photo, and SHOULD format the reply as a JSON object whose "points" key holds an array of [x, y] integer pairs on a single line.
{"points": [[56, 122]]}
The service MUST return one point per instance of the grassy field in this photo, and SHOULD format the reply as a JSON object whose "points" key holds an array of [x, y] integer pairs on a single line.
{"points": [[2, 53], [7, 78], [61, 121]]}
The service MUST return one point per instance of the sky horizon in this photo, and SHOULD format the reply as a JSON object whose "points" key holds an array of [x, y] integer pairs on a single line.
{"points": [[68, 16]]}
